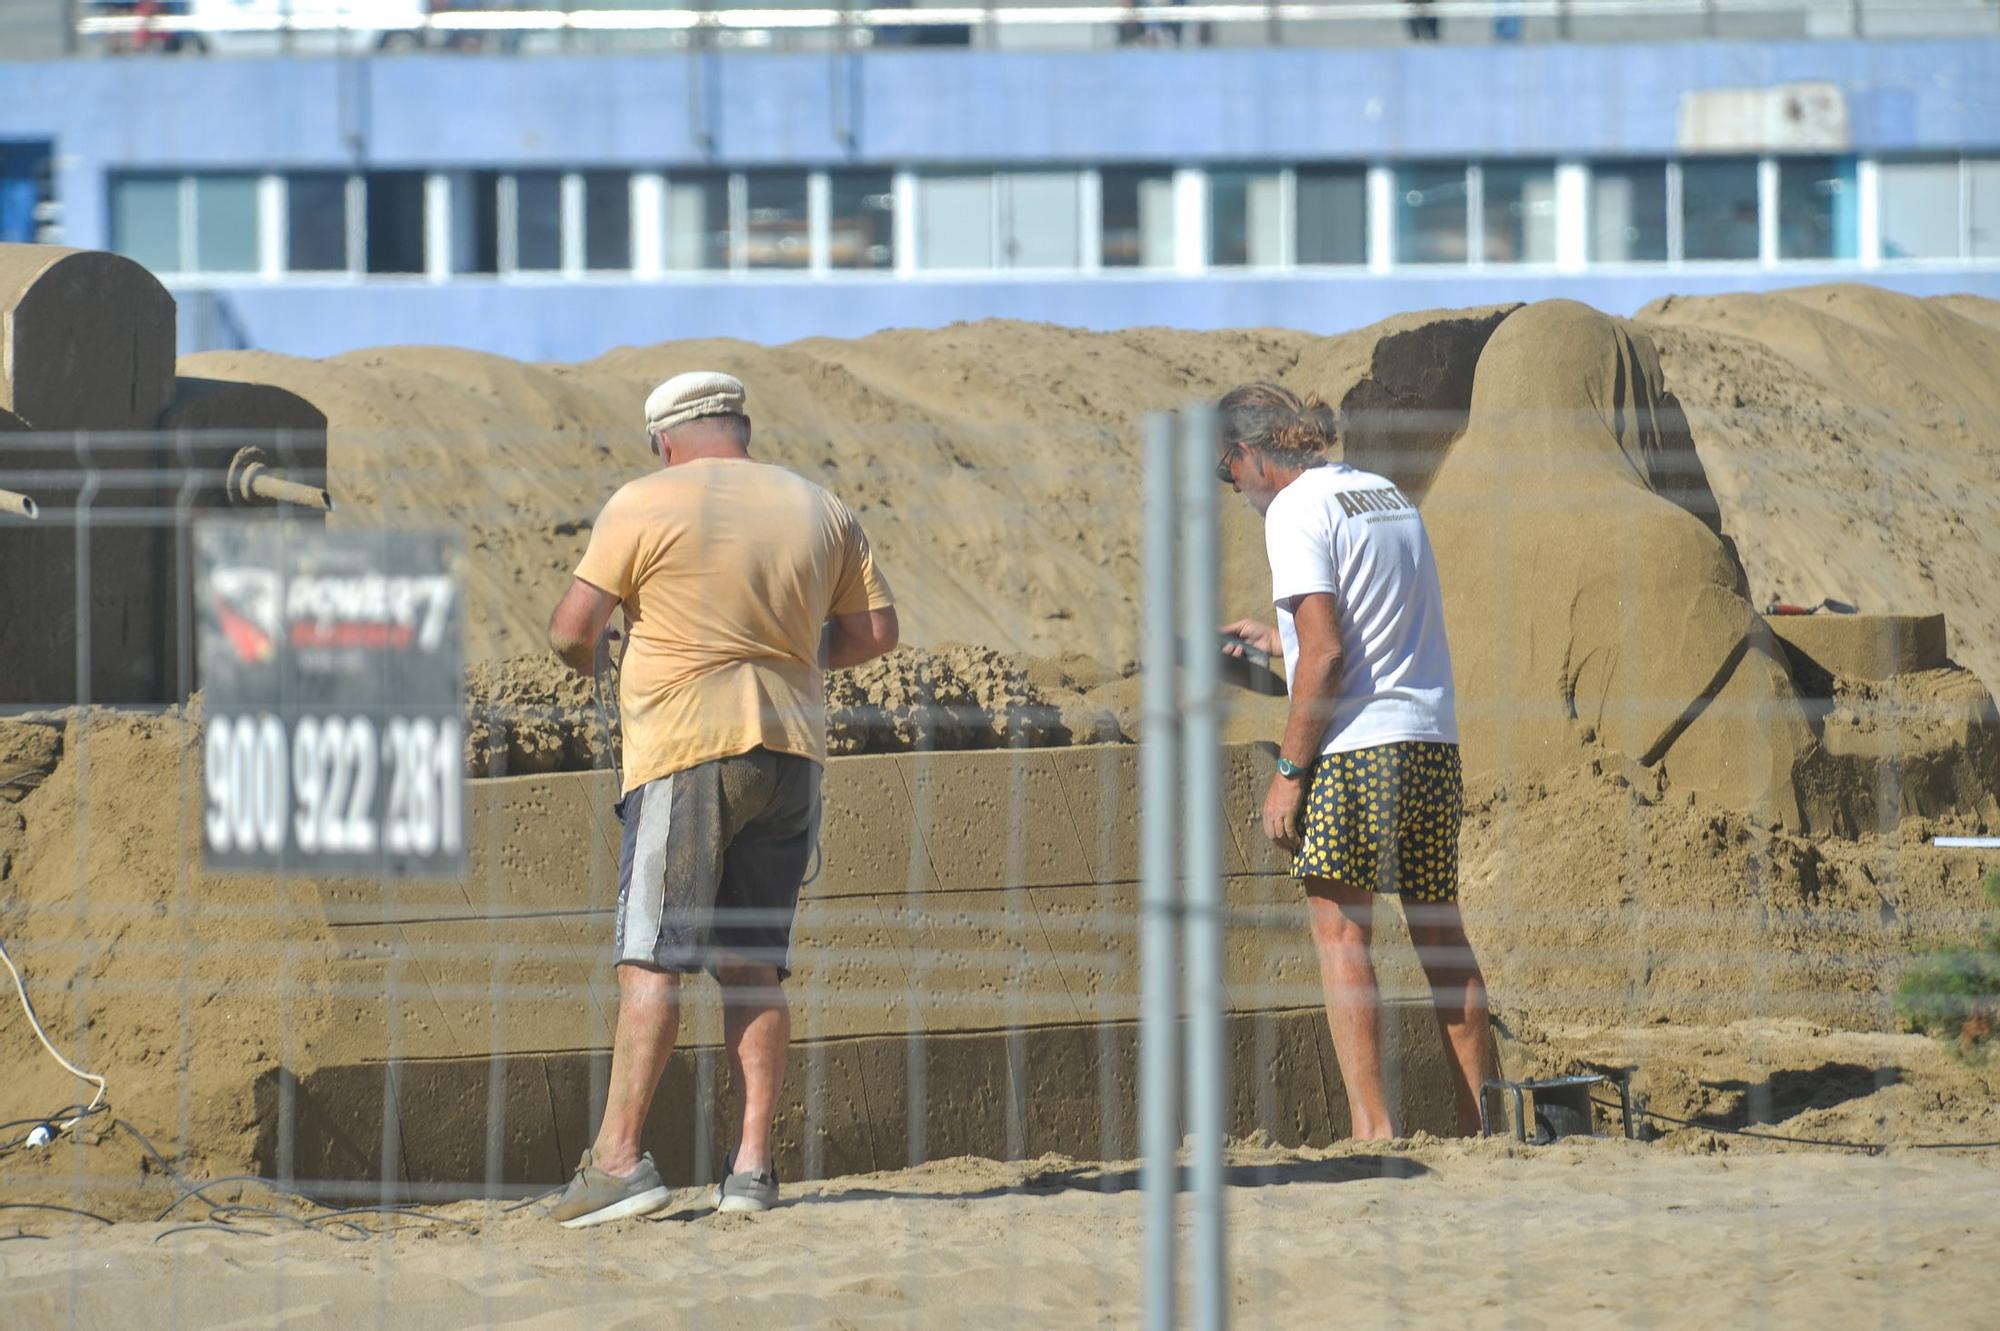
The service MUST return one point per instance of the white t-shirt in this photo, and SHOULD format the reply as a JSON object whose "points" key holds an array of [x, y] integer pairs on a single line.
{"points": [[1352, 533]]}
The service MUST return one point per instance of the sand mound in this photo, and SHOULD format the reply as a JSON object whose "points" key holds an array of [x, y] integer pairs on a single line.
{"points": [[1852, 437]]}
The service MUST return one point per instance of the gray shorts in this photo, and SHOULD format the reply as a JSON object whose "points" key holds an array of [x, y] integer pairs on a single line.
{"points": [[713, 860]]}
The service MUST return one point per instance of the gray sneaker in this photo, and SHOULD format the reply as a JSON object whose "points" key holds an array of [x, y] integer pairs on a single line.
{"points": [[594, 1197], [747, 1192]]}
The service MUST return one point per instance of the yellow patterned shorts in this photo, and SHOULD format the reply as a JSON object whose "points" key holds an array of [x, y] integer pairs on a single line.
{"points": [[1386, 819]]}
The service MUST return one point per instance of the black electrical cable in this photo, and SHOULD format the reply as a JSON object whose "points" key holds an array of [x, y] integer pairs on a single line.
{"points": [[213, 1225], [51, 1206], [1833, 1143]]}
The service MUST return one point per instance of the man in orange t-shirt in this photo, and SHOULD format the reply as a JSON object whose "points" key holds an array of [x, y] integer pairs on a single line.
{"points": [[730, 572]]}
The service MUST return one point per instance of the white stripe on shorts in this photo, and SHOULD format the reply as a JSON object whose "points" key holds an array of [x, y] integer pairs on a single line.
{"points": [[646, 892]]}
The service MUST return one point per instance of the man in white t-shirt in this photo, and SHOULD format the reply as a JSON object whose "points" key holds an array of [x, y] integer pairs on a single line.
{"points": [[1368, 795]]}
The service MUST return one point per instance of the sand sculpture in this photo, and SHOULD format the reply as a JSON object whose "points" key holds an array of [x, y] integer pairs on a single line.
{"points": [[86, 339], [1588, 592], [87, 345]]}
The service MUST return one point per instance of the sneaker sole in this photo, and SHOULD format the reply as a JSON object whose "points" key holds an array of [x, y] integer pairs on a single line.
{"points": [[644, 1203], [740, 1206]]}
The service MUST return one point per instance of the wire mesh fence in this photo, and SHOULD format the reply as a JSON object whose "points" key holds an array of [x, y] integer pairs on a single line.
{"points": [[1710, 888]]}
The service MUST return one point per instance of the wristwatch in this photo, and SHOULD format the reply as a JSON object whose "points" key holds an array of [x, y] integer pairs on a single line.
{"points": [[1291, 770]]}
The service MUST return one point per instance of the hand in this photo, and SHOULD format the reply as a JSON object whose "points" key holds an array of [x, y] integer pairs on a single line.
{"points": [[1262, 636], [1284, 812]]}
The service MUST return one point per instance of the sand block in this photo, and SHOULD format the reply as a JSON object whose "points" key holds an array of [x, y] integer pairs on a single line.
{"points": [[849, 1106], [995, 817], [1276, 1082], [456, 1123], [985, 962], [1268, 956], [209, 420], [850, 968], [511, 984], [86, 339], [1872, 647], [1246, 778], [868, 831], [538, 844], [387, 1010], [1100, 783]]}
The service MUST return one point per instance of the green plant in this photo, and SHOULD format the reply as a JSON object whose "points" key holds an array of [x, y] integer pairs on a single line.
{"points": [[1954, 993]]}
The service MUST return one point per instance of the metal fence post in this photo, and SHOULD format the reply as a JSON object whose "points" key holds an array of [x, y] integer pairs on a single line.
{"points": [[1201, 764], [1159, 932]]}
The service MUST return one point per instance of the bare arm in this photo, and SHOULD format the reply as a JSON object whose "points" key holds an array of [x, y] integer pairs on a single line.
{"points": [[862, 636], [1315, 679], [578, 622]]}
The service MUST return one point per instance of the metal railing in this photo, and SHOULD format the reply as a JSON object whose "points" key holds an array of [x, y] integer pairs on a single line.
{"points": [[970, 25]]}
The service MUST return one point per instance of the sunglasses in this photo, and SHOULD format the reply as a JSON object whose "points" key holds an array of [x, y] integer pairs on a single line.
{"points": [[1222, 469]]}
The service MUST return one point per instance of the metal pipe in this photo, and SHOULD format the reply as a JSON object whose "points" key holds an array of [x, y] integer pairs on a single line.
{"points": [[19, 505], [252, 477], [278, 490], [1201, 788], [1159, 925]]}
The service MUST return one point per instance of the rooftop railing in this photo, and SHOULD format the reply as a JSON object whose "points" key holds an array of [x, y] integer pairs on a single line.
{"points": [[278, 27]]}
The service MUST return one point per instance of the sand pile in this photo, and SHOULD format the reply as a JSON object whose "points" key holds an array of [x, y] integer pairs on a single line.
{"points": [[533, 714], [1852, 437]]}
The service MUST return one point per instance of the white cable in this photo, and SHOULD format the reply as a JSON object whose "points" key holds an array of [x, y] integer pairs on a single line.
{"points": [[21, 988]]}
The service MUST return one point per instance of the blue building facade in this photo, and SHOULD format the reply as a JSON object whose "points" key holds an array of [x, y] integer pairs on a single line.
{"points": [[554, 207]]}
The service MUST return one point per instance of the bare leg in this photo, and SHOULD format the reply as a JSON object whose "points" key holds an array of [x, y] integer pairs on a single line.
{"points": [[757, 1028], [1458, 988], [649, 1017], [1342, 922]]}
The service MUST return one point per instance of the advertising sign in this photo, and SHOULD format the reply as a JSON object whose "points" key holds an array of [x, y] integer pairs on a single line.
{"points": [[332, 732]]}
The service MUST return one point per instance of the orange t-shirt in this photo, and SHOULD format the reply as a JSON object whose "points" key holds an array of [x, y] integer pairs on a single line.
{"points": [[728, 570]]}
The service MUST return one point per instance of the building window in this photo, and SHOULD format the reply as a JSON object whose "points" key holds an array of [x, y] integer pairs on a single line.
{"points": [[538, 221], [607, 221], [1817, 212], [1137, 218], [395, 221], [1517, 212], [1982, 206], [1919, 209], [955, 220], [316, 222], [1628, 212], [861, 220], [1246, 225], [697, 222], [777, 231], [1431, 213], [1719, 208], [225, 224], [146, 221], [1041, 219], [1332, 220]]}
